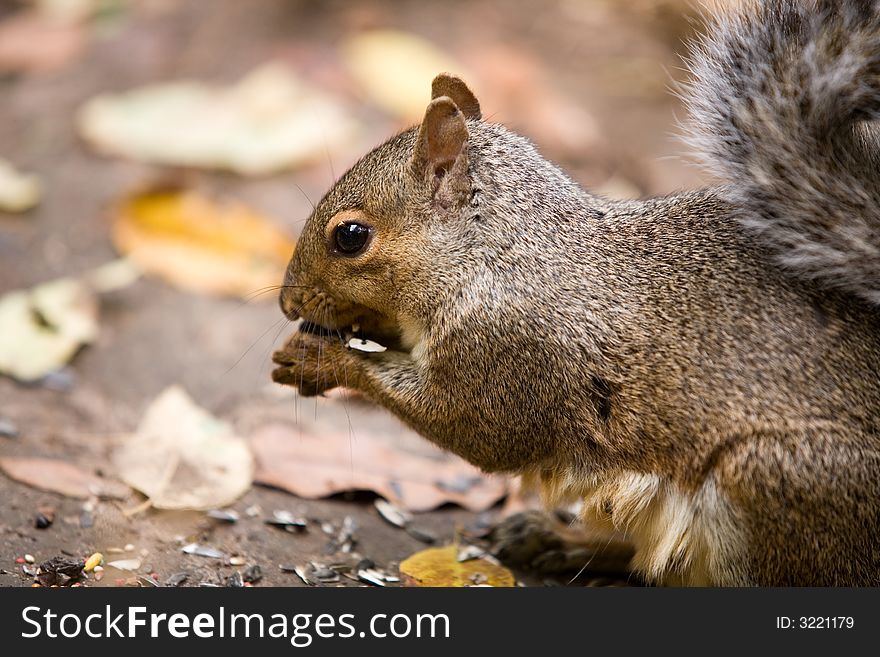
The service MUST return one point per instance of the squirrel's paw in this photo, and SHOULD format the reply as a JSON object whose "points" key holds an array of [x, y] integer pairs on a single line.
{"points": [[310, 363], [539, 542]]}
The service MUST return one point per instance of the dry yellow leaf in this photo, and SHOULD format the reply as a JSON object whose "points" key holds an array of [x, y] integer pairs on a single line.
{"points": [[441, 567], [201, 245], [395, 69]]}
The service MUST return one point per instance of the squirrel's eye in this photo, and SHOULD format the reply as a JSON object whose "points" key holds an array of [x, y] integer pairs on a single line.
{"points": [[351, 238]]}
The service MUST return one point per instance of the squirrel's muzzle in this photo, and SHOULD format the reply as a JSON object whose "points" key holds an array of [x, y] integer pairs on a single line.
{"points": [[289, 304]]}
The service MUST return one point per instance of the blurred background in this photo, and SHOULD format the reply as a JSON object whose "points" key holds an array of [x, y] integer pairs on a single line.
{"points": [[157, 160]]}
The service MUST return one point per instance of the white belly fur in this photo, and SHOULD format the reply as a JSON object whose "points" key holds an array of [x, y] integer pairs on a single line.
{"points": [[681, 538]]}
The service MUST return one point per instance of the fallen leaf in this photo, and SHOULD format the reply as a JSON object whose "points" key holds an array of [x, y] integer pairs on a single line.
{"points": [[18, 191], [181, 457], [57, 476], [315, 464], [42, 328], [76, 10], [441, 567], [33, 42], [113, 276], [395, 69], [201, 245], [268, 122], [516, 86]]}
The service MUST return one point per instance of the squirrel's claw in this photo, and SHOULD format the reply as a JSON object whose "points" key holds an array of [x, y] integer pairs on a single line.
{"points": [[310, 364], [538, 542]]}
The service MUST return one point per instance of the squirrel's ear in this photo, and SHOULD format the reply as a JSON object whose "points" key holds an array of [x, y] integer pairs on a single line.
{"points": [[440, 153], [455, 88]]}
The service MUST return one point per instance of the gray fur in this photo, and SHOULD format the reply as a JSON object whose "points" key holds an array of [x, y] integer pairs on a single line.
{"points": [[540, 330], [780, 95]]}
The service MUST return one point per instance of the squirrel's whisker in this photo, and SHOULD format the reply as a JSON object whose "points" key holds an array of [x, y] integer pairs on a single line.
{"points": [[254, 343]]}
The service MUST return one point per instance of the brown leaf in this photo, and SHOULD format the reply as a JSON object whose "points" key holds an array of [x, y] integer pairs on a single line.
{"points": [[313, 465], [34, 43], [60, 477]]}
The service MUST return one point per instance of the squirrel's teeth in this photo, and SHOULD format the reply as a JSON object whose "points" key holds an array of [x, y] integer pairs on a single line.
{"points": [[355, 328]]}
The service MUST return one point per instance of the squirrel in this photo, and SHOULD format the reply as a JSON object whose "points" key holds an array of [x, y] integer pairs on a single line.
{"points": [[701, 370]]}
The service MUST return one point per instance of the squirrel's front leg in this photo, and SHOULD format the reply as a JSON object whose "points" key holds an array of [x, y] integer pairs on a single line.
{"points": [[310, 363], [314, 364]]}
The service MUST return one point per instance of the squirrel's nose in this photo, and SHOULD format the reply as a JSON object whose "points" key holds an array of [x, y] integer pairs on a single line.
{"points": [[288, 304]]}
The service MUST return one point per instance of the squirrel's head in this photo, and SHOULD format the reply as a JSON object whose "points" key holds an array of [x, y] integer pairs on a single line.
{"points": [[364, 258]]}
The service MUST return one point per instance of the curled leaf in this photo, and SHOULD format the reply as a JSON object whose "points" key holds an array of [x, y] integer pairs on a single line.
{"points": [[42, 328]]}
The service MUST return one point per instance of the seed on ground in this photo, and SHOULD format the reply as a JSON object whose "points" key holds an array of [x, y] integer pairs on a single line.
{"points": [[93, 562]]}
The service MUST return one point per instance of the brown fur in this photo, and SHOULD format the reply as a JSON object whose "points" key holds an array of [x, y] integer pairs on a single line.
{"points": [[649, 358]]}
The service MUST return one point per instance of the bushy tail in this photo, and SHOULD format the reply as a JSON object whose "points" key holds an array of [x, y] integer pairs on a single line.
{"points": [[781, 105]]}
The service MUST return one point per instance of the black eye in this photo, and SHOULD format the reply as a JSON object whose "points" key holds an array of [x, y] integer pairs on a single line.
{"points": [[351, 238]]}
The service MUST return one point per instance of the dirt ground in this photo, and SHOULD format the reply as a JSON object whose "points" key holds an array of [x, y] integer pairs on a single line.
{"points": [[613, 60]]}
